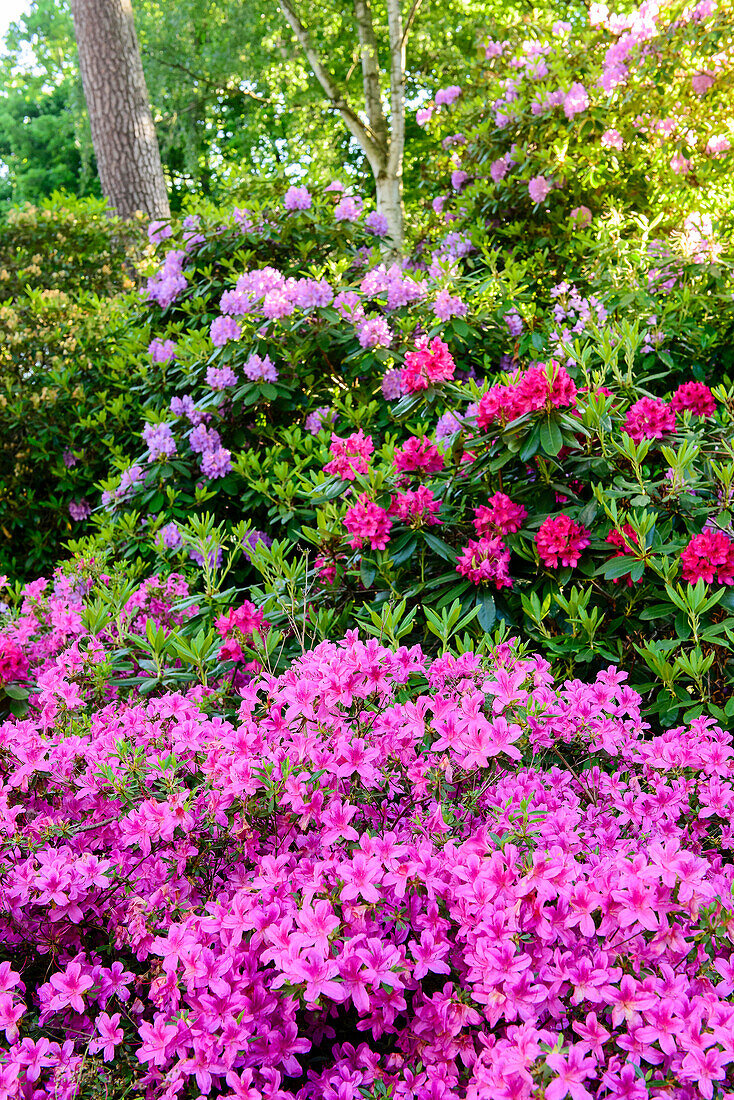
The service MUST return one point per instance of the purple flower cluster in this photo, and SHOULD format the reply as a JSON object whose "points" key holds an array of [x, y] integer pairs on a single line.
{"points": [[348, 210], [297, 198], [218, 378], [224, 329], [162, 351], [319, 419], [159, 441], [169, 282], [79, 509], [260, 369]]}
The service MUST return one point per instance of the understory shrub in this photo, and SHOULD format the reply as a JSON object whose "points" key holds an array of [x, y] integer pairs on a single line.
{"points": [[65, 411]]}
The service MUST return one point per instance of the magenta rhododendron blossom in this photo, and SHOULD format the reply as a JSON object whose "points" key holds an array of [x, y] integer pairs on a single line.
{"points": [[350, 456], [709, 557], [499, 516], [418, 507], [560, 541], [694, 396], [485, 559], [649, 418], [428, 364], [367, 521], [537, 388], [418, 455]]}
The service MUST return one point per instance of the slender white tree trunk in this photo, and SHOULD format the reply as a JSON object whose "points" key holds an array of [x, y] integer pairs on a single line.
{"points": [[390, 203], [383, 143], [123, 134]]}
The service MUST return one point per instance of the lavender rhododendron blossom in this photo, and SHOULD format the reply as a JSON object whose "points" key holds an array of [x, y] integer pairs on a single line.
{"points": [[252, 538], [297, 198], [539, 188], [320, 418], [446, 96], [223, 329], [159, 441], [260, 369], [349, 209], [162, 351], [219, 378], [79, 509], [377, 223]]}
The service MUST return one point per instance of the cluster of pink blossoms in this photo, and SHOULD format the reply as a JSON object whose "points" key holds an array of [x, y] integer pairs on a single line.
{"points": [[427, 365], [485, 559], [237, 627], [694, 396], [709, 557], [538, 388], [367, 521], [418, 456], [344, 920], [649, 418], [351, 455], [560, 541], [499, 516], [418, 507]]}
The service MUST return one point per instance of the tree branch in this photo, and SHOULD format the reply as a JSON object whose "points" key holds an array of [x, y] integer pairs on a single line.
{"points": [[415, 8], [354, 124]]}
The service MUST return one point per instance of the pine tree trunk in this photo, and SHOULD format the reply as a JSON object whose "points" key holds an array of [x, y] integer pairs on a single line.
{"points": [[390, 203], [123, 133]]}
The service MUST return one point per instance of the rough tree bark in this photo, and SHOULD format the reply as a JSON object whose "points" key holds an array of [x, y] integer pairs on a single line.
{"points": [[123, 134], [382, 140]]}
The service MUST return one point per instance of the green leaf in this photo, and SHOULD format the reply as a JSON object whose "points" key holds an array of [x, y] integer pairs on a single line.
{"points": [[404, 552], [487, 611], [617, 567], [439, 546], [367, 571], [551, 437]]}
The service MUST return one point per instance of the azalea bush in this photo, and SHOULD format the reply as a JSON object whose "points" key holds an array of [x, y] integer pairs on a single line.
{"points": [[378, 874]]}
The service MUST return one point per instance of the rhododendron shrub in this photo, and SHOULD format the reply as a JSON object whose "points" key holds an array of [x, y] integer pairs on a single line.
{"points": [[585, 146], [566, 508], [376, 874]]}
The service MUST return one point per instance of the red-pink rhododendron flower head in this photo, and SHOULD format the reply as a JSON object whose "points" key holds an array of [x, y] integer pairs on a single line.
{"points": [[694, 396], [237, 625], [351, 455], [649, 418], [486, 559], [540, 387], [366, 520], [560, 541], [709, 557], [427, 365], [499, 516], [418, 455], [417, 507]]}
